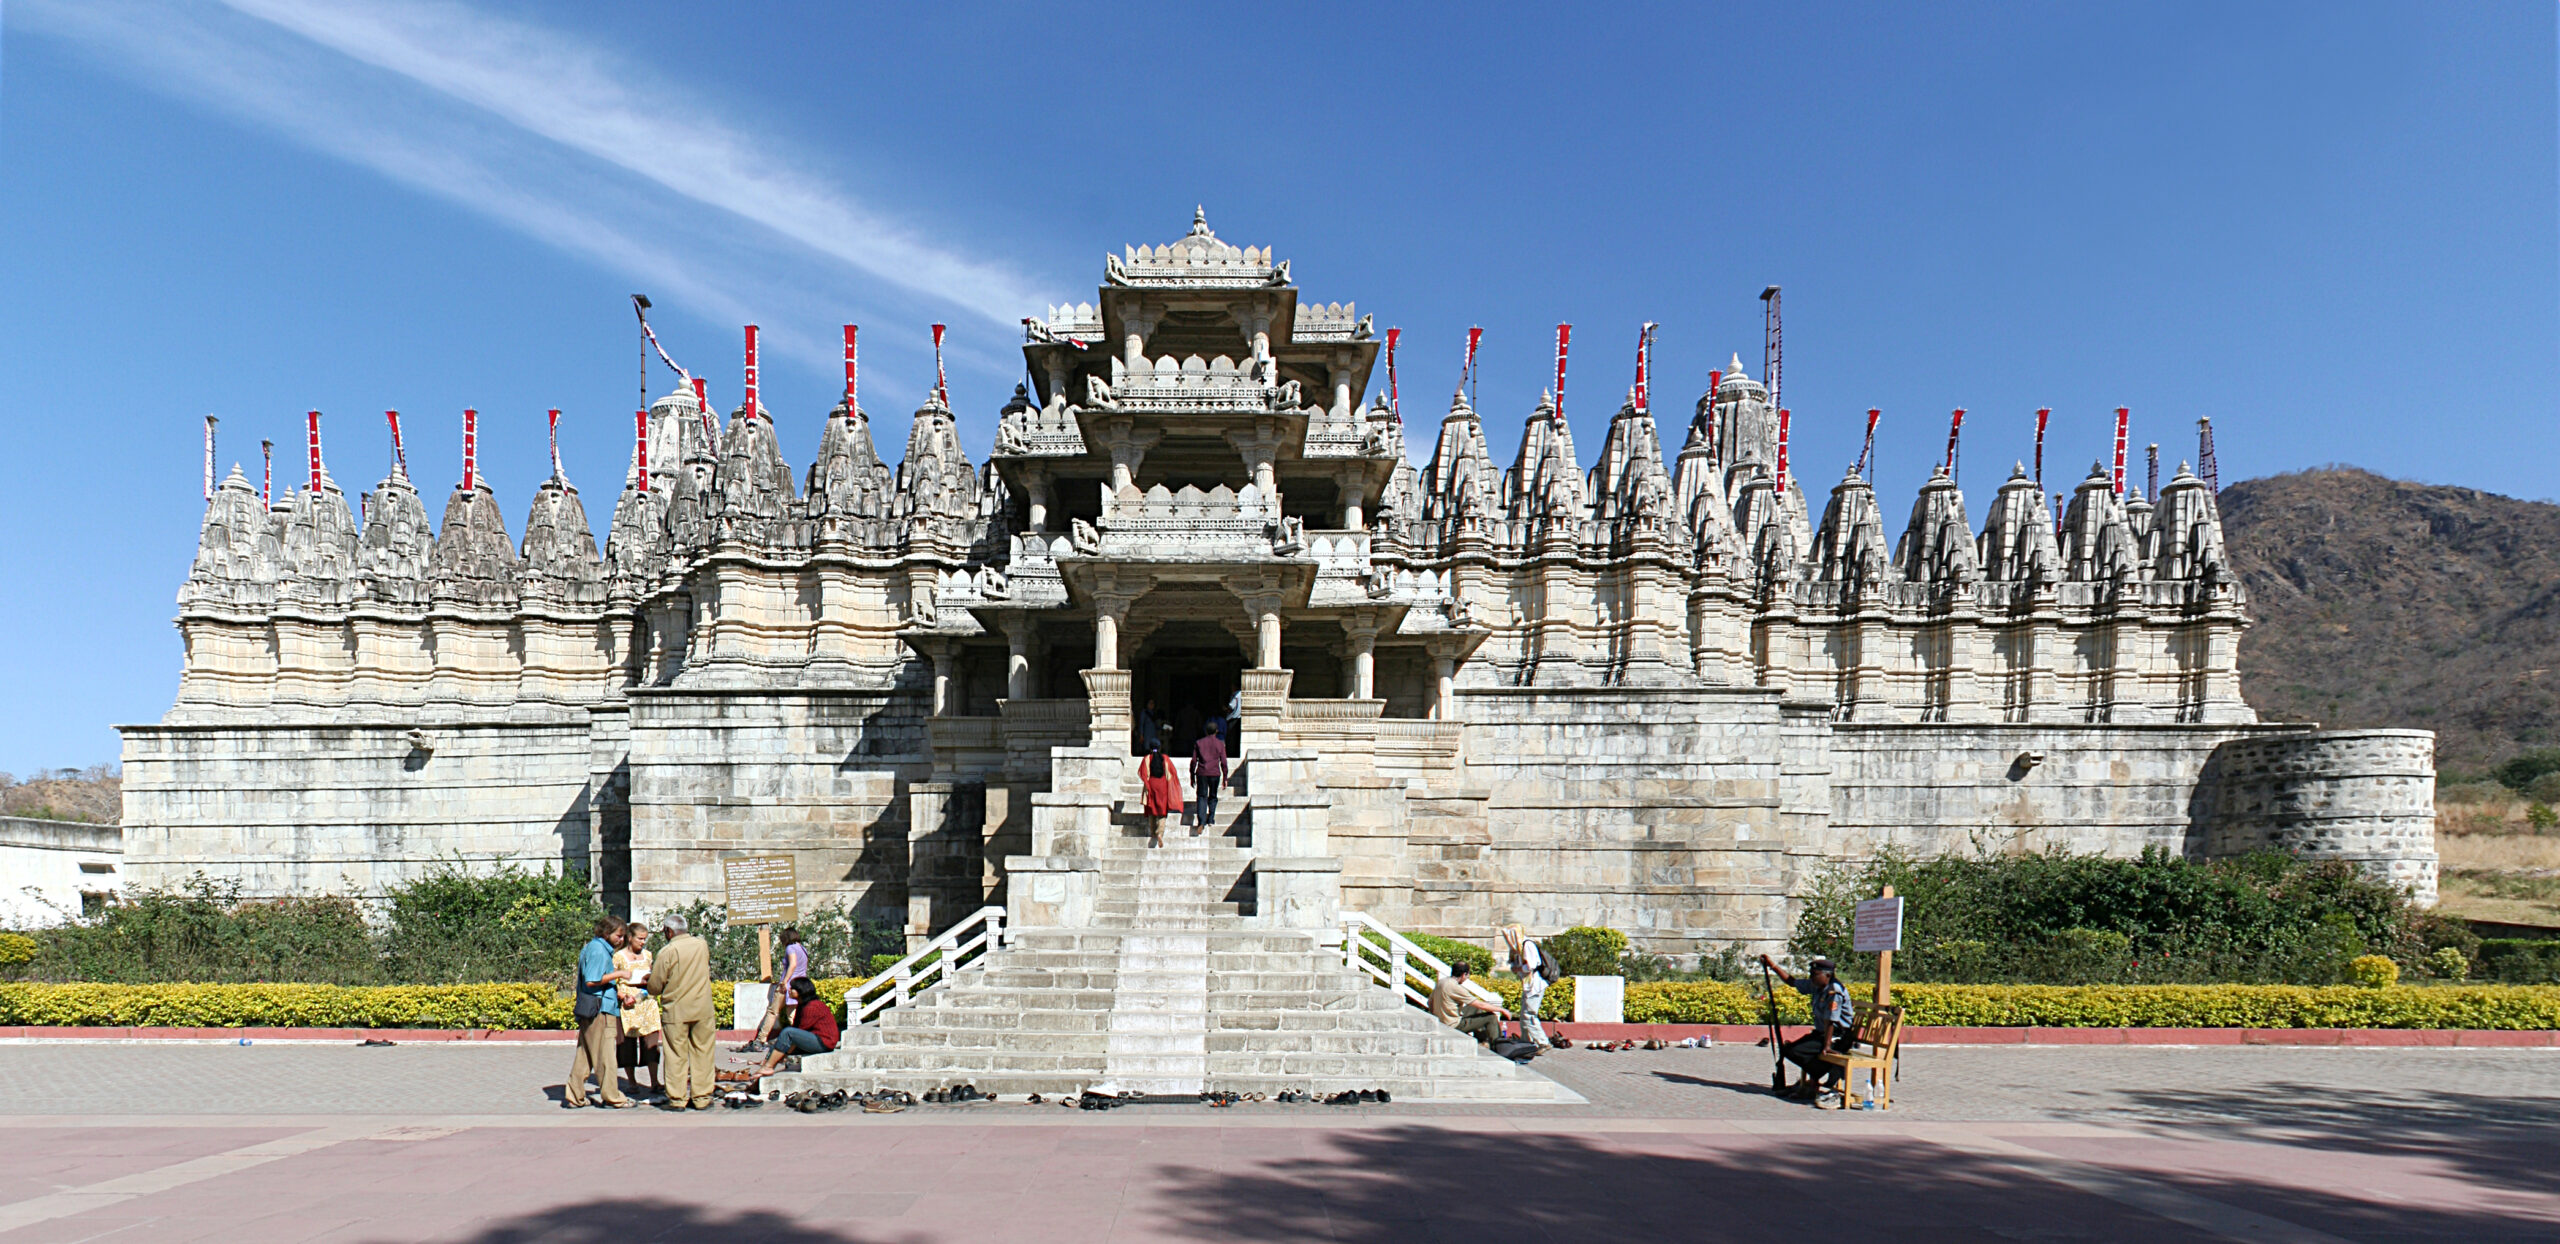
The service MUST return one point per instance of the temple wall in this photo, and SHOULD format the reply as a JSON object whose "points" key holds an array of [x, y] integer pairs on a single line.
{"points": [[820, 776], [351, 809], [1656, 812], [2364, 796]]}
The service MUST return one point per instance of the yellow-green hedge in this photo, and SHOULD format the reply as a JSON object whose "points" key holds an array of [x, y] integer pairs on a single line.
{"points": [[530, 1007], [517, 1007], [2102, 1006]]}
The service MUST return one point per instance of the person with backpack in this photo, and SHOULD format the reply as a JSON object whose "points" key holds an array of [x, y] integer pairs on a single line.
{"points": [[1536, 970]]}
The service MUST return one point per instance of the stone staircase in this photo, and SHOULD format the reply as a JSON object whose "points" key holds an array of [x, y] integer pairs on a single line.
{"points": [[1172, 990]]}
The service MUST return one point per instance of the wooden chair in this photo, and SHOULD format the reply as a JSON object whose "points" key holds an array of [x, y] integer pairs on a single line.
{"points": [[1878, 1039]]}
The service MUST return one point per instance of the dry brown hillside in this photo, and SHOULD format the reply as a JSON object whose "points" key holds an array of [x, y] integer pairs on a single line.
{"points": [[2385, 603], [94, 794]]}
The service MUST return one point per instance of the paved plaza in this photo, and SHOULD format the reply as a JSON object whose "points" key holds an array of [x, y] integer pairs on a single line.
{"points": [[168, 1142]]}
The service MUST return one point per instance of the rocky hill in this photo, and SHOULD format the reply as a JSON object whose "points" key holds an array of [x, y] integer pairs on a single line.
{"points": [[2385, 603]]}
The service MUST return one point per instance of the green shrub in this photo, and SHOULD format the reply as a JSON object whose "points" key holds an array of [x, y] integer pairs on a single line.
{"points": [[205, 931], [2374, 971], [2519, 772], [2450, 963], [454, 926], [16, 950], [2540, 816], [2520, 960], [2065, 919], [1451, 951], [1586, 951]]}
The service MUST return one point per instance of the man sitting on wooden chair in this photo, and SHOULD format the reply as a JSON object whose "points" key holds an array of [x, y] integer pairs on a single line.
{"points": [[1835, 1022]]}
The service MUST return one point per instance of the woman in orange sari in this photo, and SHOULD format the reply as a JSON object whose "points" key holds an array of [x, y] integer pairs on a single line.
{"points": [[1163, 789]]}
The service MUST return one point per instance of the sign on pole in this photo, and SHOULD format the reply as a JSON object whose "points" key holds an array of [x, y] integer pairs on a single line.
{"points": [[763, 889], [1879, 925]]}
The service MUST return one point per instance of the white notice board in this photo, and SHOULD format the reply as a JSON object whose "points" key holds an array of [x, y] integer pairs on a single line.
{"points": [[1879, 925]]}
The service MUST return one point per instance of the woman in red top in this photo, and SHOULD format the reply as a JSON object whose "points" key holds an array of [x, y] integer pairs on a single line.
{"points": [[1163, 789], [813, 1027]]}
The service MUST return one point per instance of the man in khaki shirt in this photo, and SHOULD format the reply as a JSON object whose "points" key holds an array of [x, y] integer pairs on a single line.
{"points": [[1454, 1002], [680, 976]]}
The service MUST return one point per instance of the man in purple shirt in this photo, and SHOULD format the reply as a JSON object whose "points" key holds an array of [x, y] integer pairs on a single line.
{"points": [[1208, 772]]}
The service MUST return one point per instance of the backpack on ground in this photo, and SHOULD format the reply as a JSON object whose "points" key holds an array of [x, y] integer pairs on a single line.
{"points": [[1516, 1049]]}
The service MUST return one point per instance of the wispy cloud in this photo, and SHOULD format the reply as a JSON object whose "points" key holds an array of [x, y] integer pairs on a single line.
{"points": [[532, 129], [575, 96]]}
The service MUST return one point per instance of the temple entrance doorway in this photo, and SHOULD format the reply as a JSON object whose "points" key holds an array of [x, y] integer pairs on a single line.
{"points": [[1192, 690]]}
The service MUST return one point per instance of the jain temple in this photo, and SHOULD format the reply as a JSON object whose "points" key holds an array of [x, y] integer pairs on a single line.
{"points": [[1650, 683]]}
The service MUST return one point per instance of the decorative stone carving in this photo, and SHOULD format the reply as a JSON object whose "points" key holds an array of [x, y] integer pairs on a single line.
{"points": [[474, 566]]}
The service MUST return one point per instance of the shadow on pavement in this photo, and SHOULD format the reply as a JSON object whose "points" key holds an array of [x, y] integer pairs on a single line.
{"points": [[1406, 1184], [624, 1221], [2502, 1141]]}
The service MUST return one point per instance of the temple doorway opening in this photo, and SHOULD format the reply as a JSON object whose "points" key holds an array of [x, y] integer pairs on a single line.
{"points": [[1192, 689]]}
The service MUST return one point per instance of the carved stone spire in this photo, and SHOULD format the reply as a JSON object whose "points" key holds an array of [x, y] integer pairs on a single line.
{"points": [[319, 547], [1463, 493], [635, 551], [238, 553], [1849, 546], [937, 495], [474, 566], [850, 488], [2097, 543], [1746, 426], [2017, 541], [560, 564], [1545, 485], [1769, 533], [1938, 545], [2190, 531], [398, 545], [752, 497], [1629, 489]]}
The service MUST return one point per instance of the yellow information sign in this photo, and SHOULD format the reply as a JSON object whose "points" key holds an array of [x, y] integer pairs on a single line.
{"points": [[763, 889]]}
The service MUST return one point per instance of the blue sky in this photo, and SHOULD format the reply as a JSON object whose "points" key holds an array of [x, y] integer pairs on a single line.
{"points": [[2329, 227]]}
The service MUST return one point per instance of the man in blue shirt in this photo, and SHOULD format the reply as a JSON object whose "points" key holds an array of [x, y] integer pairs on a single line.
{"points": [[599, 1011], [1835, 1021]]}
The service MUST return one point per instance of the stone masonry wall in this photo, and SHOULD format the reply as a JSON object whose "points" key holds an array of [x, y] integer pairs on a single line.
{"points": [[820, 776], [2364, 796], [1656, 812], [350, 809]]}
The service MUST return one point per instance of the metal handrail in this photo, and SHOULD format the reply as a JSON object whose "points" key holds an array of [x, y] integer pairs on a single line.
{"points": [[962, 945], [1389, 959]]}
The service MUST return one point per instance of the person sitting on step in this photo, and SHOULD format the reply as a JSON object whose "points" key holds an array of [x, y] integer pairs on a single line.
{"points": [[1457, 1002], [812, 1030]]}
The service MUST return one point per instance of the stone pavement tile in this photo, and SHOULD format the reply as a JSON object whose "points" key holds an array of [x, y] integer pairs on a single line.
{"points": [[37, 1162], [2448, 1196]]}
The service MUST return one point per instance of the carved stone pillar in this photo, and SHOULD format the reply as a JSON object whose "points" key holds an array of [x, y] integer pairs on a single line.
{"points": [[1106, 637], [1035, 484], [1363, 630], [1341, 371], [1260, 449], [1135, 324], [943, 662], [1017, 659], [1057, 384], [1355, 488]]}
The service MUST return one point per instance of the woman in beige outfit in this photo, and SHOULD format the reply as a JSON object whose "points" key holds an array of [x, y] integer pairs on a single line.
{"points": [[640, 1020]]}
